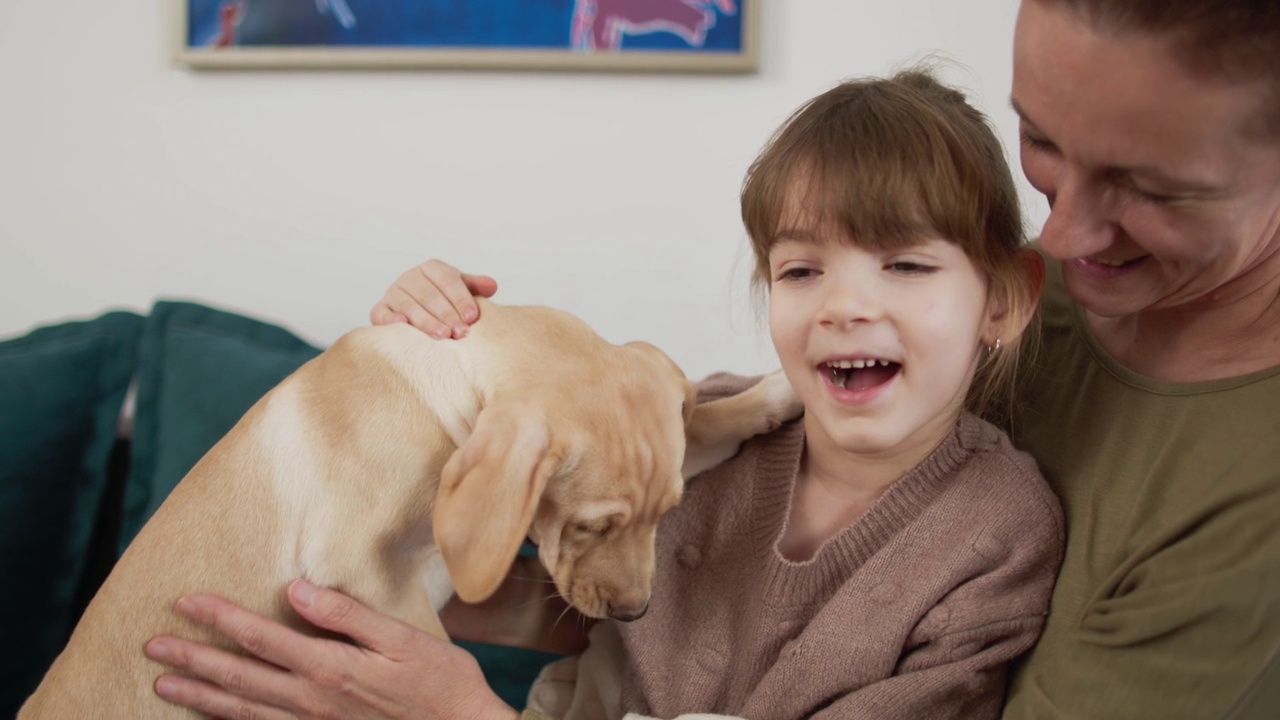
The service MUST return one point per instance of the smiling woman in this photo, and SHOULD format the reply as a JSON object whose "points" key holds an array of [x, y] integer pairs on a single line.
{"points": [[1168, 221], [1151, 128]]}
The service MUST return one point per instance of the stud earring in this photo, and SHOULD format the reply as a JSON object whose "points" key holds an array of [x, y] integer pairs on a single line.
{"points": [[994, 347]]}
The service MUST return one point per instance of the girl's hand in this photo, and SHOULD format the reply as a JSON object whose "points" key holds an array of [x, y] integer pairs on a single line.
{"points": [[393, 671], [435, 297]]}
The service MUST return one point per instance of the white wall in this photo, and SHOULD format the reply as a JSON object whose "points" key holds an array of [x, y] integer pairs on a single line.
{"points": [[298, 196]]}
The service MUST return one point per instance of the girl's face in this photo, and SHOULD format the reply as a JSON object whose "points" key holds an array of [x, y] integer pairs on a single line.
{"points": [[1163, 196], [881, 346]]}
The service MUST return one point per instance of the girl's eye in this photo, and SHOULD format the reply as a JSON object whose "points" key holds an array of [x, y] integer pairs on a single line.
{"points": [[906, 267], [796, 273]]}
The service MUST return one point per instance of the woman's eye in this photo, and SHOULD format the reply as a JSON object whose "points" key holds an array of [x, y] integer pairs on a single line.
{"points": [[1035, 143], [1153, 198]]}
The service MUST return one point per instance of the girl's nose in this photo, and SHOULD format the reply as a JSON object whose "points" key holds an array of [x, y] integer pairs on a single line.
{"points": [[849, 302], [1079, 223]]}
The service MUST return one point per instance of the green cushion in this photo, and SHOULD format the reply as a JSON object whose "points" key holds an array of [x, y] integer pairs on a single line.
{"points": [[509, 671], [201, 369], [61, 390]]}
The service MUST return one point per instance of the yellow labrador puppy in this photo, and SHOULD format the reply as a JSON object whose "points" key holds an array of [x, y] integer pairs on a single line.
{"points": [[398, 468]]}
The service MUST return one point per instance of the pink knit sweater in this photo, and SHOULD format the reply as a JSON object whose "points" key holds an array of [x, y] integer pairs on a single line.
{"points": [[914, 611]]}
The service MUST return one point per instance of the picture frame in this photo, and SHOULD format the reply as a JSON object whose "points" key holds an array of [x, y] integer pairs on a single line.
{"points": [[712, 36]]}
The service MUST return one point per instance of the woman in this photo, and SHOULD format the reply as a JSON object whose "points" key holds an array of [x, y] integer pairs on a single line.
{"points": [[1153, 128]]}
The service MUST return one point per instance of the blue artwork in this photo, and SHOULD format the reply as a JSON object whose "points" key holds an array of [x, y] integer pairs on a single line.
{"points": [[711, 26]]}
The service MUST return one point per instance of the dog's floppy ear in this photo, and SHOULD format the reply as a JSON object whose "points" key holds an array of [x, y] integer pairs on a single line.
{"points": [[488, 493]]}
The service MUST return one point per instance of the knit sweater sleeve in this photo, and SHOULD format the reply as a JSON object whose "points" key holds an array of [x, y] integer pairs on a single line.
{"points": [[961, 675], [722, 385]]}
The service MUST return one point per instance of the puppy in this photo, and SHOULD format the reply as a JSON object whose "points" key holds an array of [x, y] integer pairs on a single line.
{"points": [[397, 468]]}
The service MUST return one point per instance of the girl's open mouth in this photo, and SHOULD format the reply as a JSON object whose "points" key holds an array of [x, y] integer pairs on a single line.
{"points": [[861, 374]]}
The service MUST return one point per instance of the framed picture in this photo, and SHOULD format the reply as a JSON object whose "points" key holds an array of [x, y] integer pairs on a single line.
{"points": [[641, 35]]}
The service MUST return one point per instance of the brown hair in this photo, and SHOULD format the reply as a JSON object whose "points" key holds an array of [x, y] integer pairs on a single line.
{"points": [[889, 160], [1235, 40]]}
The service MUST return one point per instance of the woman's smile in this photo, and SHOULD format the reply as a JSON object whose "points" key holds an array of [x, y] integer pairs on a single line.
{"points": [[1097, 268]]}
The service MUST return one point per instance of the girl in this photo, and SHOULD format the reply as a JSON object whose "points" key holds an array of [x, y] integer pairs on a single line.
{"points": [[888, 554]]}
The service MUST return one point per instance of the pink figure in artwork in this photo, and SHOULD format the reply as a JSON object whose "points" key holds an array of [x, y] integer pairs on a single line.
{"points": [[229, 14], [600, 24]]}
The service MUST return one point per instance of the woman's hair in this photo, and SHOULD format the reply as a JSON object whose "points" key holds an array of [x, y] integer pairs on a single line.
{"points": [[1234, 40], [889, 161]]}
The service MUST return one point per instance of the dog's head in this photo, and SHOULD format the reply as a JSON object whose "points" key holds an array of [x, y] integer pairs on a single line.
{"points": [[584, 460]]}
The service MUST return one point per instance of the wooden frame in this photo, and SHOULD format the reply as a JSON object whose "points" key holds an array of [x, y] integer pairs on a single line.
{"points": [[637, 35]]}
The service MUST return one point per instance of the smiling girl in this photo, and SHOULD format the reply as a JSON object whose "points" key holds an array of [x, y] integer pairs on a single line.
{"points": [[890, 553]]}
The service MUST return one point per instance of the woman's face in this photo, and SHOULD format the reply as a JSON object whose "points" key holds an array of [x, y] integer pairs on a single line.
{"points": [[1164, 192]]}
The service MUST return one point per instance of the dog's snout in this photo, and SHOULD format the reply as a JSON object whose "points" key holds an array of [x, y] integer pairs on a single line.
{"points": [[626, 612]]}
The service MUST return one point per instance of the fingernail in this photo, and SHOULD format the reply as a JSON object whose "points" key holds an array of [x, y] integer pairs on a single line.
{"points": [[470, 314], [304, 592], [441, 332], [165, 686], [158, 650], [459, 330]]}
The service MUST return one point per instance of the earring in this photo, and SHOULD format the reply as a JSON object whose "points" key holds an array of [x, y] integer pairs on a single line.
{"points": [[993, 348]]}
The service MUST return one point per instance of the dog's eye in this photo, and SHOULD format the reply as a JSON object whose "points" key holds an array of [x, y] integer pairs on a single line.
{"points": [[593, 528]]}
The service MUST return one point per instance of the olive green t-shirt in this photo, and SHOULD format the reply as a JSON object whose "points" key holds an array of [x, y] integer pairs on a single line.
{"points": [[1168, 602]]}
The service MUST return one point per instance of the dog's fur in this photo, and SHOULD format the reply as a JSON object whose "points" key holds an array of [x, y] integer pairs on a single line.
{"points": [[395, 467]]}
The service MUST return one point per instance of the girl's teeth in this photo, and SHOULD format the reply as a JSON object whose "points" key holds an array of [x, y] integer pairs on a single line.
{"points": [[857, 364], [842, 370]]}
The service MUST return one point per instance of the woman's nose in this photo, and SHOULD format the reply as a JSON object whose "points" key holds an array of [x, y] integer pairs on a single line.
{"points": [[1079, 223]]}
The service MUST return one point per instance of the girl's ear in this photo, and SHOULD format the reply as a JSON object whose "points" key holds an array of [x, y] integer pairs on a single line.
{"points": [[1033, 270], [1013, 307]]}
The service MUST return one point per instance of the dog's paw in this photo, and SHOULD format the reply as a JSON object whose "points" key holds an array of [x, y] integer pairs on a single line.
{"points": [[776, 401]]}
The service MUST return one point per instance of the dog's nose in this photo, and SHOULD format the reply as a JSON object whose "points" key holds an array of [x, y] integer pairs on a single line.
{"points": [[626, 613]]}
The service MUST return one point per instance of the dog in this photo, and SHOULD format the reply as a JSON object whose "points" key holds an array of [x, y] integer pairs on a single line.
{"points": [[401, 469]]}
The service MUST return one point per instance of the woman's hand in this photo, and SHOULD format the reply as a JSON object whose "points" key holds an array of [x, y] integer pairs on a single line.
{"points": [[392, 671], [435, 297]]}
